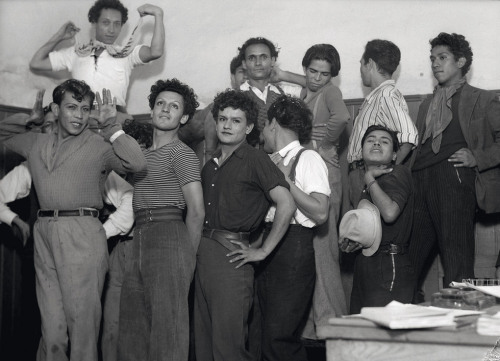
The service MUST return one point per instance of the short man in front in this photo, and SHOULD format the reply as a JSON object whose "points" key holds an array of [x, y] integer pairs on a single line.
{"points": [[385, 106], [456, 163], [239, 185], [69, 168], [384, 274]]}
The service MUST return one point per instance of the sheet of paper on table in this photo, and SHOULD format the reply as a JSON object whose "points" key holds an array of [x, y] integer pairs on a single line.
{"points": [[397, 315], [489, 290]]}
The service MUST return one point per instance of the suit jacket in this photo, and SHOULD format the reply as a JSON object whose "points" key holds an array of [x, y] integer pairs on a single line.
{"points": [[479, 117]]}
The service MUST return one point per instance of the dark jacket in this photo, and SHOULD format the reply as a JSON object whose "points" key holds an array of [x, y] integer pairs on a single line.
{"points": [[479, 117]]}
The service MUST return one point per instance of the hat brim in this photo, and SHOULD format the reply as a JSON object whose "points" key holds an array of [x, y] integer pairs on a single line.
{"points": [[370, 251]]}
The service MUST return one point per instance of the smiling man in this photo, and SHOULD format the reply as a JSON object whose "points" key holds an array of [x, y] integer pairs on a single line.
{"points": [[101, 63], [69, 168], [239, 184], [386, 274], [456, 163]]}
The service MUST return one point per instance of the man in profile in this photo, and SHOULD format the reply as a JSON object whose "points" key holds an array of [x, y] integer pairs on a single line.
{"points": [[385, 105]]}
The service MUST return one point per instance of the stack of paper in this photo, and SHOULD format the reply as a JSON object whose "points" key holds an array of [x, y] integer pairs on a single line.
{"points": [[489, 325], [397, 315]]}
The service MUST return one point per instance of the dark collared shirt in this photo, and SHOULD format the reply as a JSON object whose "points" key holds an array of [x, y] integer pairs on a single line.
{"points": [[237, 192], [398, 185]]}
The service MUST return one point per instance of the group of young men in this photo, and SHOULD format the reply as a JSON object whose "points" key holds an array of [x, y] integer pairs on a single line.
{"points": [[256, 234]]}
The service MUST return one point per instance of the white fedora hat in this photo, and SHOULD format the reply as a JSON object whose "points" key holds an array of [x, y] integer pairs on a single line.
{"points": [[362, 225]]}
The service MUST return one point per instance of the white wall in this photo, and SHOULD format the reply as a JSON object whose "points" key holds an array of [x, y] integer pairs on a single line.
{"points": [[203, 36]]}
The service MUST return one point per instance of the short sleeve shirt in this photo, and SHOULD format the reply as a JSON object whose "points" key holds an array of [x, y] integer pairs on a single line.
{"points": [[169, 169], [104, 71], [311, 176], [236, 193], [398, 185]]}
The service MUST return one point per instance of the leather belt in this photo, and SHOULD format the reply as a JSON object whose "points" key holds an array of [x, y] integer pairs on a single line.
{"points": [[225, 237], [161, 214], [357, 164], [393, 249], [72, 213]]}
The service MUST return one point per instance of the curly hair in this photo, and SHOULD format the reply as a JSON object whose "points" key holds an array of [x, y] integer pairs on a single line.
{"points": [[141, 132], [95, 10], [252, 41], [458, 46], [392, 133], [324, 52], [237, 100], [292, 113], [79, 88], [174, 85], [384, 53]]}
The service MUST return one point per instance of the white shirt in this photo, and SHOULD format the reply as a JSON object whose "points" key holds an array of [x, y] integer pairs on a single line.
{"points": [[105, 72], [311, 176], [292, 90], [17, 184]]}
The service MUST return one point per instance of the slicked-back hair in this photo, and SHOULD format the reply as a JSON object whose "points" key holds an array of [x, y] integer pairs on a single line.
{"points": [[457, 45], [78, 88], [259, 40], [292, 113], [237, 100], [95, 10], [392, 133], [174, 85], [324, 52], [385, 53]]}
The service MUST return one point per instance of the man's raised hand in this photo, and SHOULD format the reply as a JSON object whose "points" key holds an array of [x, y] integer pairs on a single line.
{"points": [[36, 115], [106, 107]]}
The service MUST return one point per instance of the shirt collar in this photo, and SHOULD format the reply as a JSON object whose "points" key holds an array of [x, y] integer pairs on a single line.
{"points": [[246, 87], [289, 151], [240, 152], [389, 82]]}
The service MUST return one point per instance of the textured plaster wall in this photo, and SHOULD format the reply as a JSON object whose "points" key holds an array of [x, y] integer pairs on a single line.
{"points": [[203, 35]]}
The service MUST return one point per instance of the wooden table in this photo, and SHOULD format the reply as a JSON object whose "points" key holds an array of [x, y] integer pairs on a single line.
{"points": [[353, 339]]}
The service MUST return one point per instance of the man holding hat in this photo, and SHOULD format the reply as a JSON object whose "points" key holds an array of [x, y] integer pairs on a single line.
{"points": [[380, 225]]}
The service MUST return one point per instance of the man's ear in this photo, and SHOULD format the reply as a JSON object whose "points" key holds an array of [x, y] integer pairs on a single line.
{"points": [[305, 70], [184, 119], [394, 156], [249, 128], [371, 64], [461, 62], [273, 124], [55, 109], [244, 64], [273, 60]]}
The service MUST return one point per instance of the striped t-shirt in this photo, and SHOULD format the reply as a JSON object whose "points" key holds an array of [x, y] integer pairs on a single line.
{"points": [[169, 169]]}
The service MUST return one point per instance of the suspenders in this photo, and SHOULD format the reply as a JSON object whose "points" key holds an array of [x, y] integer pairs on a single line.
{"points": [[294, 166]]}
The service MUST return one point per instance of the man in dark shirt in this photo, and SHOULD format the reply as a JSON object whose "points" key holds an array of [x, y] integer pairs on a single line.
{"points": [[456, 162], [239, 184], [387, 274]]}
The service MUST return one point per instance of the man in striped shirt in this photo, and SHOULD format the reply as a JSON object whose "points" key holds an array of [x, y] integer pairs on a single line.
{"points": [[154, 317], [385, 105]]}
